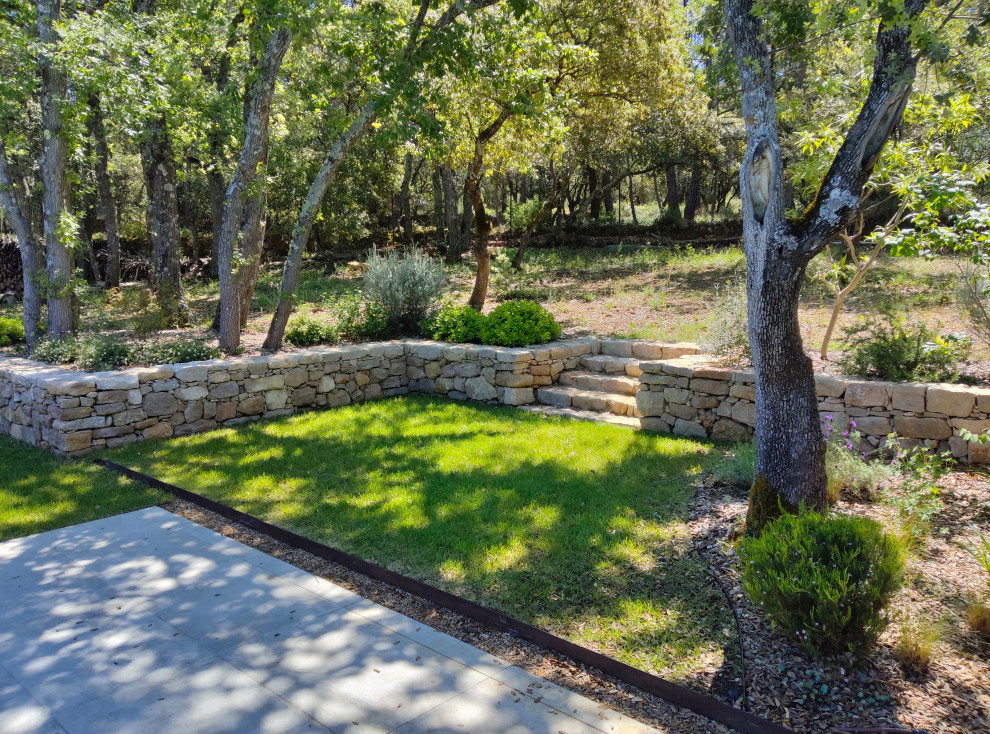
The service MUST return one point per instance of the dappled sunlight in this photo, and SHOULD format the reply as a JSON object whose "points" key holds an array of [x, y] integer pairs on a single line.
{"points": [[557, 522]]}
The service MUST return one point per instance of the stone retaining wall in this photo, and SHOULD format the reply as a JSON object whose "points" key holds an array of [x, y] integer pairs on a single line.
{"points": [[690, 397], [73, 412]]}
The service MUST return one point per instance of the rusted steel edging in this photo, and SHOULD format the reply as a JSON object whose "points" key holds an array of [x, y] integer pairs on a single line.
{"points": [[699, 703]]}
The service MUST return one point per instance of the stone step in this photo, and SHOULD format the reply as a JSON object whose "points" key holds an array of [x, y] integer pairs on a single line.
{"points": [[646, 350], [602, 381], [583, 415], [563, 396], [612, 365]]}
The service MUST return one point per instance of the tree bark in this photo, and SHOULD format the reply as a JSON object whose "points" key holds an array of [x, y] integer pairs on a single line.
{"points": [[55, 194], [31, 266], [693, 198], [455, 245], [594, 194], [483, 226], [632, 200], [253, 153], [439, 216], [104, 188], [790, 449], [673, 195], [400, 202]]}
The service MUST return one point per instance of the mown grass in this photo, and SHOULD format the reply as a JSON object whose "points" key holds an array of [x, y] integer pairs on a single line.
{"points": [[39, 491], [576, 527]]}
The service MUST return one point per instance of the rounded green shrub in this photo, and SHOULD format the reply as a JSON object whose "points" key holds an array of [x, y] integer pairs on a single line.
{"points": [[102, 353], [824, 581], [457, 324], [520, 323], [305, 330], [56, 351], [177, 351], [11, 331]]}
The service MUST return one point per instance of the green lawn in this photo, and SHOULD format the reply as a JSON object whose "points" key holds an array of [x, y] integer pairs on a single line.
{"points": [[576, 527], [39, 491]]}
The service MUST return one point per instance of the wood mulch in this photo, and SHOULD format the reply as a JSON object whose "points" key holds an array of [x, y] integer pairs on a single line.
{"points": [[784, 684]]}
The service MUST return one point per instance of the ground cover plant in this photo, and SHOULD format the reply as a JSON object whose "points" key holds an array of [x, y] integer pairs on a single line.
{"points": [[39, 491], [576, 527]]}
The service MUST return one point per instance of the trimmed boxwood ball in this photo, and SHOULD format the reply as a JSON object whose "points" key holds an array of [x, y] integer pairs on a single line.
{"points": [[457, 324], [824, 580], [520, 323]]}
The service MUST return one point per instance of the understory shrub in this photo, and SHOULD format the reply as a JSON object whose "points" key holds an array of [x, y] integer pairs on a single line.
{"points": [[824, 580], [918, 499], [520, 323], [176, 351], [457, 324], [406, 289], [56, 351], [306, 330], [727, 334], [893, 349], [102, 353], [11, 331], [847, 467]]}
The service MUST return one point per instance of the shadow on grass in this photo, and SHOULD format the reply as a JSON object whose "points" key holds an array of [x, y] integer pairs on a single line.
{"points": [[575, 527]]}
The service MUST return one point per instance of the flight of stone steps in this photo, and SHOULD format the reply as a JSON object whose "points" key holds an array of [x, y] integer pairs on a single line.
{"points": [[604, 386]]}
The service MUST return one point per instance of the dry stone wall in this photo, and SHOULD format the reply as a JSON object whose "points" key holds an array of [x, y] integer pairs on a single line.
{"points": [[73, 413], [690, 397]]}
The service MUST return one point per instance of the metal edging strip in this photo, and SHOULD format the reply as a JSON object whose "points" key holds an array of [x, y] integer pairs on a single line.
{"points": [[699, 703]]}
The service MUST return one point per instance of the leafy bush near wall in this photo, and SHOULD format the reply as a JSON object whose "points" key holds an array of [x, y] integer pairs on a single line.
{"points": [[520, 323], [727, 333], [893, 349], [406, 289], [306, 330], [51, 351], [457, 324], [824, 581], [847, 467], [175, 351], [512, 324], [11, 331], [102, 353]]}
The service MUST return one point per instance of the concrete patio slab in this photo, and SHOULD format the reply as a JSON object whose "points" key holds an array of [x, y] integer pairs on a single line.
{"points": [[147, 622]]}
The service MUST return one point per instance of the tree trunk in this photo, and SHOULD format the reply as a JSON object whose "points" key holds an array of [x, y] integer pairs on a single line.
{"points": [[608, 198], [594, 193], [472, 188], [673, 196], [632, 201], [217, 186], [55, 194], [693, 199], [31, 260], [104, 188], [556, 194], [400, 202], [790, 449], [258, 100], [158, 162], [189, 213], [439, 217], [310, 208], [455, 246]]}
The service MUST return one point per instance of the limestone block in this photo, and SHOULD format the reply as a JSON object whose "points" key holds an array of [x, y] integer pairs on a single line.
{"points": [[510, 379], [226, 411], [303, 396], [150, 374], [677, 395], [909, 397], [951, 400], [373, 391], [679, 349], [650, 403], [191, 372], [361, 379], [134, 397], [276, 399], [744, 413], [518, 396], [164, 385], [647, 350], [705, 402], [712, 387], [295, 377], [973, 426], [415, 373], [159, 403], [746, 392], [830, 387], [866, 394], [112, 396], [225, 390], [422, 385], [327, 384], [979, 454], [873, 426], [710, 372], [689, 428], [75, 441], [187, 429], [197, 392], [219, 376], [72, 414], [134, 415], [70, 386], [263, 384], [682, 411], [655, 423], [193, 411], [254, 405], [96, 421], [283, 360], [112, 432], [209, 410], [115, 381], [728, 430], [338, 398], [936, 428], [959, 447]]}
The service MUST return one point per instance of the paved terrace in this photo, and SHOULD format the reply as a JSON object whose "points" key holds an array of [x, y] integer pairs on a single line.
{"points": [[147, 622]]}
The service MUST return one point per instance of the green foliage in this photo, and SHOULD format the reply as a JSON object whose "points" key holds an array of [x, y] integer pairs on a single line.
{"points": [[980, 550], [918, 499], [824, 581], [177, 351], [727, 334], [305, 330], [522, 214], [11, 331], [357, 320], [893, 349], [404, 289], [57, 351], [520, 323], [101, 353], [847, 467], [738, 468], [457, 324]]}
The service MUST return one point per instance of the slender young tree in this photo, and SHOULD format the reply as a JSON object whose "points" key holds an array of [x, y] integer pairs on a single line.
{"points": [[31, 255], [104, 186], [790, 462]]}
